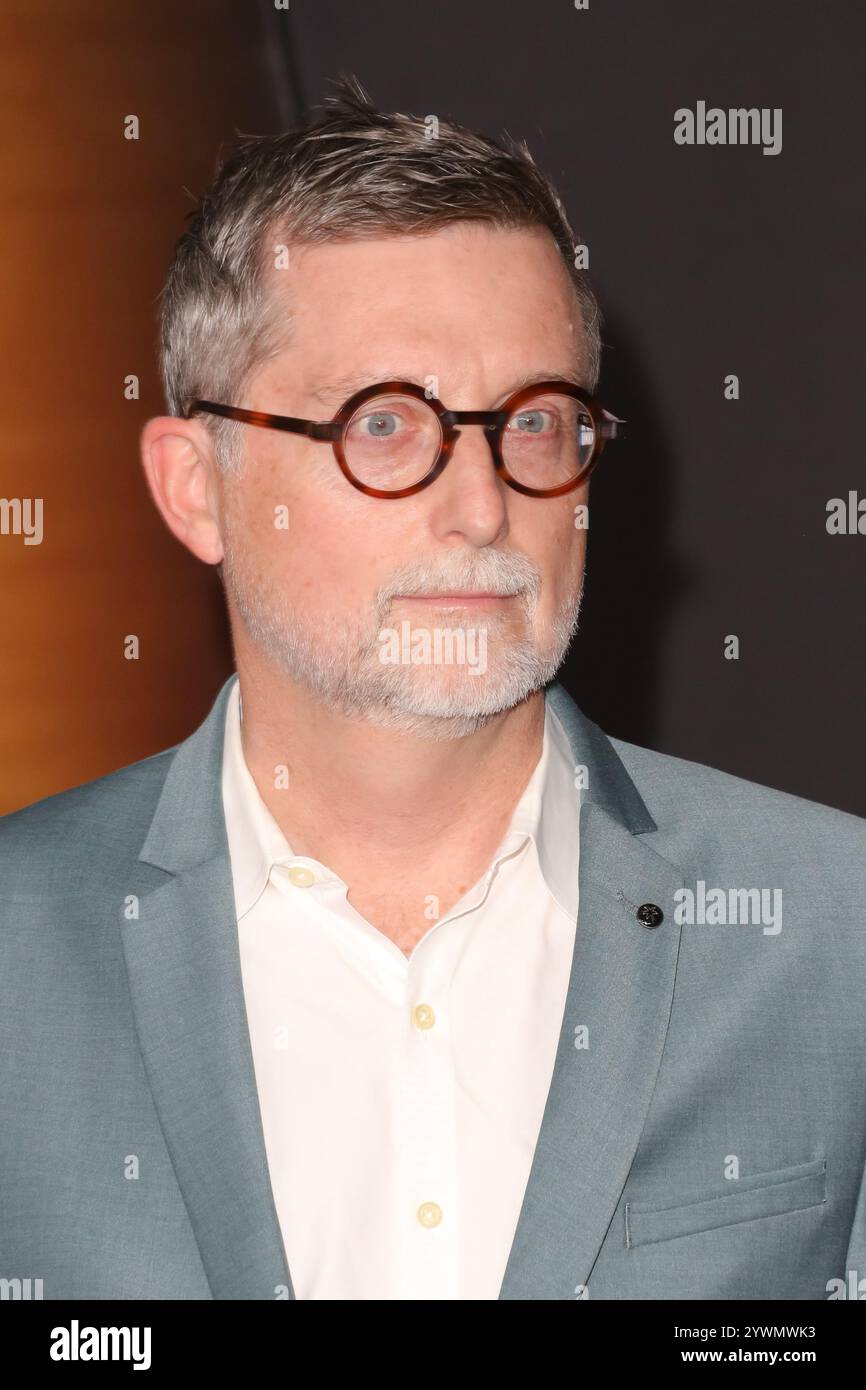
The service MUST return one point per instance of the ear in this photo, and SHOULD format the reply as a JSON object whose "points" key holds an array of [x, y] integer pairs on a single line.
{"points": [[178, 462]]}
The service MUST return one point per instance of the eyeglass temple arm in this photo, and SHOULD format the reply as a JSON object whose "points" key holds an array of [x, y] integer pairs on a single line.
{"points": [[324, 430], [327, 431], [612, 427]]}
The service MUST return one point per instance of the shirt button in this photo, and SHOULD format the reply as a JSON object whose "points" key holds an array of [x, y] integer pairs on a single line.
{"points": [[423, 1016], [429, 1214], [301, 876]]}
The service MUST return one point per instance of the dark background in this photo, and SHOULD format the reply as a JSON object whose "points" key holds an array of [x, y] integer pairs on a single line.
{"points": [[709, 520]]}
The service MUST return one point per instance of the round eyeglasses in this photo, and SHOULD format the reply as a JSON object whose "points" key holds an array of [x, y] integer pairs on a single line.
{"points": [[392, 439]]}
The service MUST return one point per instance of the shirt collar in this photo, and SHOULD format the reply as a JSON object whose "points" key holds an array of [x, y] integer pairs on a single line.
{"points": [[553, 813], [256, 842], [548, 813]]}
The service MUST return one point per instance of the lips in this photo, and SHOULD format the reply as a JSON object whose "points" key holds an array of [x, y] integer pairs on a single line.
{"points": [[455, 596]]}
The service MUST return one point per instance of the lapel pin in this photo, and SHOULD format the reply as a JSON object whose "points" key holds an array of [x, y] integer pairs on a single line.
{"points": [[649, 915]]}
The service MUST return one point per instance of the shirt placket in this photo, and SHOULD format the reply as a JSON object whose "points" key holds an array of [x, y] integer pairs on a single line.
{"points": [[427, 1127]]}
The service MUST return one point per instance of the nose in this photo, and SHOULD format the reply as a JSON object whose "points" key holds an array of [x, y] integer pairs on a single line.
{"points": [[469, 498]]}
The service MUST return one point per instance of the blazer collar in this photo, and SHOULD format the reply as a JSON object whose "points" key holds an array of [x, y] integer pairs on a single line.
{"points": [[184, 970], [188, 827]]}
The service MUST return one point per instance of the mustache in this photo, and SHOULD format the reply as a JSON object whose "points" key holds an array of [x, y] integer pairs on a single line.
{"points": [[482, 571]]}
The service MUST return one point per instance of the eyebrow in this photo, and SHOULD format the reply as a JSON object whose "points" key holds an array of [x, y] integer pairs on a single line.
{"points": [[339, 391]]}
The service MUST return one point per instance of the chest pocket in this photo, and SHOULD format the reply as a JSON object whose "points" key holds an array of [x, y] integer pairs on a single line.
{"points": [[744, 1199]]}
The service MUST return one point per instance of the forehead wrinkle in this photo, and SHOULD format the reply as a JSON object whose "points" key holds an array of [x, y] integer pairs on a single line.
{"points": [[338, 391]]}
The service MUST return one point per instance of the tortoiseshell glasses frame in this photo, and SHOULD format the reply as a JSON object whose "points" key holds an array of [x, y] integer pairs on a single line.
{"points": [[605, 426]]}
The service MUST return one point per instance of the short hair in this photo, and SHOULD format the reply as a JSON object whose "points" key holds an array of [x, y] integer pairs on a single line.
{"points": [[355, 172]]}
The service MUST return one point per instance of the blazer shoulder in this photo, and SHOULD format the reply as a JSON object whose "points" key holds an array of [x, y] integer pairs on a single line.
{"points": [[96, 818], [676, 789]]}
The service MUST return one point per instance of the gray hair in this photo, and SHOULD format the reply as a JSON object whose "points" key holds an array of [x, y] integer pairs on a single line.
{"points": [[355, 172]]}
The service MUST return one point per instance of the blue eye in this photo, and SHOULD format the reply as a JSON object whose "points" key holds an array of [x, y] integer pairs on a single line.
{"points": [[530, 421], [382, 424]]}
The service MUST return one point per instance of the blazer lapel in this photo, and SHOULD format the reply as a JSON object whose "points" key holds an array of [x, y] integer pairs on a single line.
{"points": [[620, 992], [183, 963]]}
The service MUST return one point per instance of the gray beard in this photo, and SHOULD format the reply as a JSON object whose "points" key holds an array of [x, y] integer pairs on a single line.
{"points": [[339, 662]]}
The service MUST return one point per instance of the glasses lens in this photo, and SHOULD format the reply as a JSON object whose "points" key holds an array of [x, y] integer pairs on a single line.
{"points": [[392, 442], [548, 440]]}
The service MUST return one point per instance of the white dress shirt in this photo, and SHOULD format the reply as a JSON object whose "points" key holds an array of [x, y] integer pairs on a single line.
{"points": [[401, 1098]]}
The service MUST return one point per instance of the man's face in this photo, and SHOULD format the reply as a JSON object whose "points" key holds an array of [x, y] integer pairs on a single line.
{"points": [[334, 587]]}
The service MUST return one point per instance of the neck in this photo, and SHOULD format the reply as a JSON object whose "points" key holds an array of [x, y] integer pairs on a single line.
{"points": [[356, 788]]}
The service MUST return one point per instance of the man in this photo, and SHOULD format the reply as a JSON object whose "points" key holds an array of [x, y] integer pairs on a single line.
{"points": [[399, 978]]}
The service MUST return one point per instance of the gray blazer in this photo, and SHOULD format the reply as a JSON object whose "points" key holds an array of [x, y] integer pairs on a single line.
{"points": [[705, 1130]]}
